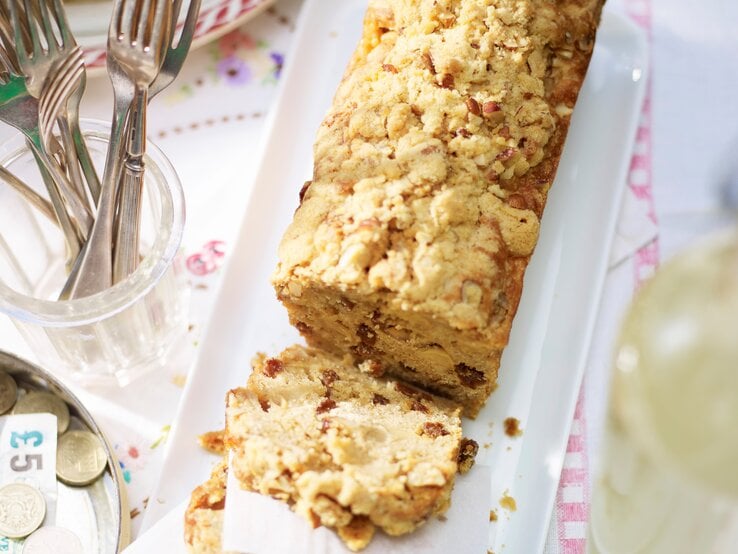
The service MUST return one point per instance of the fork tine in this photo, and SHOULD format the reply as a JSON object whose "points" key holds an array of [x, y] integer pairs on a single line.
{"points": [[43, 9], [61, 80], [8, 29], [188, 29], [141, 29], [114, 27], [71, 80], [127, 29], [7, 62], [65, 79], [26, 20], [54, 78], [6, 40], [176, 8], [49, 98], [161, 22], [17, 33], [60, 16]]}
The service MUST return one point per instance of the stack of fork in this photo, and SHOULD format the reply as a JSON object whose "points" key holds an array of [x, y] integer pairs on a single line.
{"points": [[42, 81]]}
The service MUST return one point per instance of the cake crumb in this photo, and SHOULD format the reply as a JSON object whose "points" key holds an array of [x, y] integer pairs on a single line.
{"points": [[467, 453], [492, 515], [212, 441], [508, 502], [512, 427]]}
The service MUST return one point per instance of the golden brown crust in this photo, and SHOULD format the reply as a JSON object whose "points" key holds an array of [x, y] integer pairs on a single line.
{"points": [[204, 514], [431, 173]]}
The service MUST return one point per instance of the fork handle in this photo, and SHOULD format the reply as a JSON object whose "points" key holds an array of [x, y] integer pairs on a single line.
{"points": [[83, 154], [128, 219], [78, 209], [75, 176], [72, 233], [127, 227], [93, 269]]}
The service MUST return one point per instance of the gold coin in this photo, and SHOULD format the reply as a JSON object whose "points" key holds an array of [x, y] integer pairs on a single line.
{"points": [[80, 458], [8, 392], [22, 510], [36, 402]]}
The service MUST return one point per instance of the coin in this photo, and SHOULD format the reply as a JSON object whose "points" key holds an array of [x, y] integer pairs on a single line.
{"points": [[80, 458], [8, 392], [53, 540], [36, 402], [22, 510]]}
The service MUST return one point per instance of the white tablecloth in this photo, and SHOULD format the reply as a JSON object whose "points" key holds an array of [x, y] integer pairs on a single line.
{"points": [[210, 122]]}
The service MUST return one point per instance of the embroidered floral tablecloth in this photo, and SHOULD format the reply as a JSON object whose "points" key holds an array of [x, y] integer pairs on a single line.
{"points": [[210, 122]]}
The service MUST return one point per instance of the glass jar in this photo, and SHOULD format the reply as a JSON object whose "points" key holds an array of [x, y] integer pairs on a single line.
{"points": [[668, 482], [117, 334]]}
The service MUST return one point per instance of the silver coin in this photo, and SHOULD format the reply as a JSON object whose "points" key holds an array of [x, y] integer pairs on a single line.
{"points": [[36, 402], [22, 510], [53, 540], [8, 392]]}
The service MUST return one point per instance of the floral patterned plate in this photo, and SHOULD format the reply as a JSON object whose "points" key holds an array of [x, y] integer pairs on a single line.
{"points": [[89, 21]]}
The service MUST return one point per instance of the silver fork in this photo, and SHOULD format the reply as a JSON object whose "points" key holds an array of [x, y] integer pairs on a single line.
{"points": [[62, 82], [72, 108], [20, 109], [37, 62], [127, 222], [135, 45]]}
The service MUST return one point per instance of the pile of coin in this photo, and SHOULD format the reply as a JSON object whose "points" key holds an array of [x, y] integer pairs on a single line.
{"points": [[80, 461]]}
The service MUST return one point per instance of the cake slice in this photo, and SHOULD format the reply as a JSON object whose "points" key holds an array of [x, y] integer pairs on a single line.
{"points": [[343, 448], [431, 173]]}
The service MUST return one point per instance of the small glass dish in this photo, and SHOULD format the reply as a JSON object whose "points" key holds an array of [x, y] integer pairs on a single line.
{"points": [[112, 336]]}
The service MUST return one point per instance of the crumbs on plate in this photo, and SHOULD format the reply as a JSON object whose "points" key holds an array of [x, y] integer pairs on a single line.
{"points": [[512, 427], [508, 502]]}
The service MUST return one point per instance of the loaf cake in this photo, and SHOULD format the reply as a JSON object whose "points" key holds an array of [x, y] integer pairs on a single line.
{"points": [[344, 448], [204, 514], [431, 171]]}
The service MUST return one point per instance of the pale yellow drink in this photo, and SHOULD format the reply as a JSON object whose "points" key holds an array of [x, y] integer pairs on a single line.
{"points": [[668, 482]]}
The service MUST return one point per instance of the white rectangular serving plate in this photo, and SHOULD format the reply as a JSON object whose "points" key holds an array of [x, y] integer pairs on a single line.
{"points": [[543, 364]]}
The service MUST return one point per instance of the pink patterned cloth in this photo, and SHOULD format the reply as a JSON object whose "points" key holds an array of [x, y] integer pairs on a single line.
{"points": [[568, 531]]}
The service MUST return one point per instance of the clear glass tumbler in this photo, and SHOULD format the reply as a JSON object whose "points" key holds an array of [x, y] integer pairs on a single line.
{"points": [[668, 482], [122, 332]]}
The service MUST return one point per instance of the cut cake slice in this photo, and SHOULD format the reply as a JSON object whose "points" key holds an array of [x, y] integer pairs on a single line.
{"points": [[342, 447]]}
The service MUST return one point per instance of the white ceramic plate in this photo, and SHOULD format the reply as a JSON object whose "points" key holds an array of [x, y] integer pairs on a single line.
{"points": [[543, 364], [89, 20]]}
